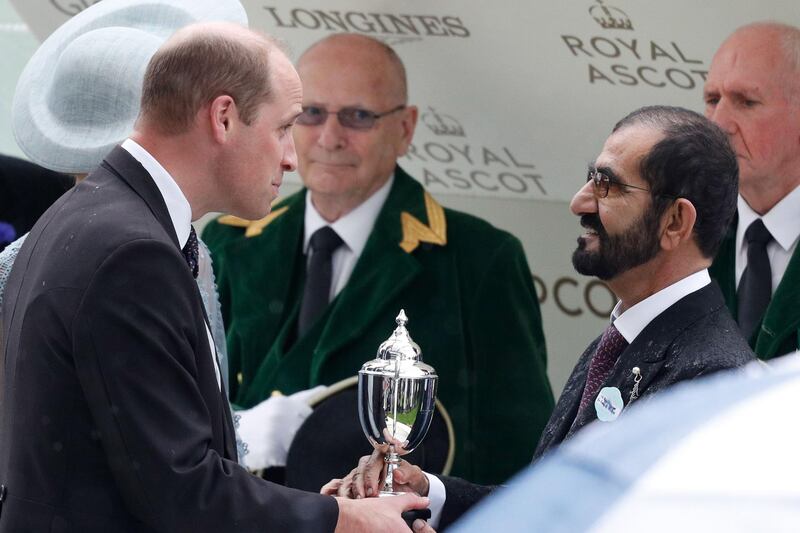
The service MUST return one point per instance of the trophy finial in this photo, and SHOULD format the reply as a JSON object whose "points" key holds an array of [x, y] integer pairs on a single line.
{"points": [[400, 345], [402, 319]]}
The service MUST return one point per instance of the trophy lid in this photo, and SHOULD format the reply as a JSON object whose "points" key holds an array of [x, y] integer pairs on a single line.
{"points": [[399, 345]]}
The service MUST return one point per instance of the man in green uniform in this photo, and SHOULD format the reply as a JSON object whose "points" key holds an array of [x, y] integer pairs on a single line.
{"points": [[311, 291], [753, 93]]}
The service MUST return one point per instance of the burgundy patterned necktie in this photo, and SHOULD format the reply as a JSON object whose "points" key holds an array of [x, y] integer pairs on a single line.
{"points": [[608, 349]]}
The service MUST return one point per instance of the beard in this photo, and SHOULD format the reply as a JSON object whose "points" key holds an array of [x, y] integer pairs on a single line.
{"points": [[617, 254]]}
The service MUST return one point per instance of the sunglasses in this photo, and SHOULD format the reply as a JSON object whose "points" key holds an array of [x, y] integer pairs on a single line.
{"points": [[349, 117]]}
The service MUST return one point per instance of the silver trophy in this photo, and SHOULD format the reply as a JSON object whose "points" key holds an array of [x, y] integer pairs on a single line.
{"points": [[396, 398]]}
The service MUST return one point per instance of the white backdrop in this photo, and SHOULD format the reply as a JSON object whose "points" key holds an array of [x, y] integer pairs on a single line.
{"points": [[516, 97]]}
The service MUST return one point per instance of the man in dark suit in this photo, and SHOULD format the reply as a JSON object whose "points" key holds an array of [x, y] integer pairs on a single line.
{"points": [[753, 94], [465, 284], [656, 205], [114, 413]]}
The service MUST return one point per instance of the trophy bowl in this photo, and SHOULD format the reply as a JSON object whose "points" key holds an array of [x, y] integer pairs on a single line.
{"points": [[396, 398]]}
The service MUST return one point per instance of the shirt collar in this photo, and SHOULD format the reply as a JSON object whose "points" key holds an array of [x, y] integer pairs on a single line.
{"points": [[354, 227], [635, 319], [782, 221], [180, 212]]}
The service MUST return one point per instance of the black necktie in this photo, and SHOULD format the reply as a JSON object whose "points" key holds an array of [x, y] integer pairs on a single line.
{"points": [[755, 287], [190, 252], [317, 290]]}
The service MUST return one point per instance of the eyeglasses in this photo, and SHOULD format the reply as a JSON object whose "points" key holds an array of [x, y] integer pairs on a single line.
{"points": [[349, 117], [602, 183]]}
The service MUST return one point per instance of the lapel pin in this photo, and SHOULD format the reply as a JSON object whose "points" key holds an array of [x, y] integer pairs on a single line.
{"points": [[637, 377]]}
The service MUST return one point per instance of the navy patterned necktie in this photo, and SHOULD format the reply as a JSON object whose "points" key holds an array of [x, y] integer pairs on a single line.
{"points": [[316, 293], [605, 356], [755, 287], [191, 252]]}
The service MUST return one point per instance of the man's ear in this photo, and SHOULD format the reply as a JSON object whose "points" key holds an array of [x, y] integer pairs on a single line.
{"points": [[222, 115], [678, 224]]}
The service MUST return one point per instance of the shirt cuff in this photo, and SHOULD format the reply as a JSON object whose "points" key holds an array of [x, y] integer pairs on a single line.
{"points": [[437, 496]]}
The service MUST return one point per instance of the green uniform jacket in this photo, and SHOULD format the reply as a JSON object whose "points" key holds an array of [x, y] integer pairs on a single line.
{"points": [[465, 286], [779, 333]]}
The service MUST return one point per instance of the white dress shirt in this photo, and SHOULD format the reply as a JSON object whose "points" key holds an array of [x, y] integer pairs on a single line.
{"points": [[783, 222], [636, 318], [180, 212], [353, 228], [629, 323]]}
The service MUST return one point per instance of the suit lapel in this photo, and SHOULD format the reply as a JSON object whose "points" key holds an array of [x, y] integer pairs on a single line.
{"points": [[563, 421], [781, 318], [382, 272], [265, 306], [648, 351], [129, 170]]}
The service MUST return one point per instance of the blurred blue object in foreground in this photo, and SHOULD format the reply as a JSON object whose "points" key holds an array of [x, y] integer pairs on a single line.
{"points": [[717, 454]]}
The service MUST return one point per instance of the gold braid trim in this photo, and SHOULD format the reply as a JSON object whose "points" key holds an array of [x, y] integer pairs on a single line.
{"points": [[415, 232], [254, 227]]}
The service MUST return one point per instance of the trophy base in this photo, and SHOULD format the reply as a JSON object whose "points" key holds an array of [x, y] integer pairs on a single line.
{"points": [[383, 494]]}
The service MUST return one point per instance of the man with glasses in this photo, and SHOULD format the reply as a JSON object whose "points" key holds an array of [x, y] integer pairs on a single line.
{"points": [[655, 206], [310, 292]]}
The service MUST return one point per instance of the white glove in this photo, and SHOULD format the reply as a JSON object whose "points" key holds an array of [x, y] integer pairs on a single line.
{"points": [[268, 428]]}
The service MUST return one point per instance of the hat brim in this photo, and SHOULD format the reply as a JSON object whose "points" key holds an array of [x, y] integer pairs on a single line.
{"points": [[70, 140]]}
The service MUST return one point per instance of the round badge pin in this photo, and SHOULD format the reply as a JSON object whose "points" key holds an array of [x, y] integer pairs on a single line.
{"points": [[608, 404]]}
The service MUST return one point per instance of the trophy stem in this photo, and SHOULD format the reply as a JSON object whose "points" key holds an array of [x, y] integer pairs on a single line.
{"points": [[392, 460]]}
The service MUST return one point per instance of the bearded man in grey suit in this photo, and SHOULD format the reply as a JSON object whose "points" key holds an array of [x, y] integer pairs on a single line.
{"points": [[656, 205]]}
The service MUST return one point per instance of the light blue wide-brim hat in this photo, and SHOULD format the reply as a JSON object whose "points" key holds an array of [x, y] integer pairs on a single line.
{"points": [[80, 93]]}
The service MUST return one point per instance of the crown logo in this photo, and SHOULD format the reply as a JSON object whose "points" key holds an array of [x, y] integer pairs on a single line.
{"points": [[610, 17], [73, 7], [442, 124]]}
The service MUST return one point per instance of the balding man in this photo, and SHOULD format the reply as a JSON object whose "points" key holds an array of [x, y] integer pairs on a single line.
{"points": [[387, 245], [753, 93], [114, 414]]}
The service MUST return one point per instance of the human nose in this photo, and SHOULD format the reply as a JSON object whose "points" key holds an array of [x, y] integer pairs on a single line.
{"points": [[584, 200], [721, 114], [289, 159], [332, 135]]}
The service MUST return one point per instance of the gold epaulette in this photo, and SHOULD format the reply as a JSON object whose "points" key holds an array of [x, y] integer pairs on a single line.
{"points": [[254, 227], [415, 232]]}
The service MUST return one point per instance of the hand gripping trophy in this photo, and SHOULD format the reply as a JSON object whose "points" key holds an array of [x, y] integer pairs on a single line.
{"points": [[396, 398]]}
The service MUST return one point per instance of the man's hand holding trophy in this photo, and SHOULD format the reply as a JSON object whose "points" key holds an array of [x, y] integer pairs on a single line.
{"points": [[396, 400]]}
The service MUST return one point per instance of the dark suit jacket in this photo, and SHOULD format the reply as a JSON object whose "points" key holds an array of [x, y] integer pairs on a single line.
{"points": [[471, 302], [112, 419], [693, 337], [779, 332]]}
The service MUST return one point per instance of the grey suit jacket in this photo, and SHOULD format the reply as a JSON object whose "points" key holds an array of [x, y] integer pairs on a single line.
{"points": [[693, 337]]}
